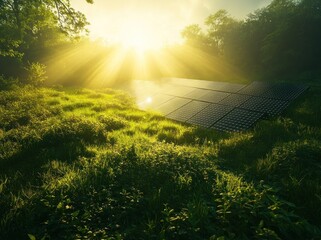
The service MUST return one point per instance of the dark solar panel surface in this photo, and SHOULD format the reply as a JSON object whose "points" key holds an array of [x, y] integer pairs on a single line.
{"points": [[265, 105], [237, 120], [235, 100], [187, 111], [256, 88], [286, 92], [213, 96], [231, 88], [209, 115]]}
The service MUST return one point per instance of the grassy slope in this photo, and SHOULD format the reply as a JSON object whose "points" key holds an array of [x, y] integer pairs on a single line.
{"points": [[77, 163]]}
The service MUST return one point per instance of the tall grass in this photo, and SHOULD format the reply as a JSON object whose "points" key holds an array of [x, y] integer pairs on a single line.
{"points": [[85, 164]]}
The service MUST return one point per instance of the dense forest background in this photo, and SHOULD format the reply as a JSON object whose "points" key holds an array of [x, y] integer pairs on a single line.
{"points": [[280, 41]]}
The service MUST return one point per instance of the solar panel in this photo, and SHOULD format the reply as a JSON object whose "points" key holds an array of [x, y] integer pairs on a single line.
{"points": [[214, 96], [172, 105], [187, 82], [146, 86], [265, 105], [212, 85], [218, 86], [235, 100], [209, 115], [237, 120], [187, 111], [231, 87], [153, 102], [197, 93], [178, 91], [219, 105], [285, 91], [256, 88]]}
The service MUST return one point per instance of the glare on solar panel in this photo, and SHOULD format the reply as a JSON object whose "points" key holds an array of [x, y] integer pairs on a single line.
{"points": [[172, 105], [151, 102], [178, 91]]}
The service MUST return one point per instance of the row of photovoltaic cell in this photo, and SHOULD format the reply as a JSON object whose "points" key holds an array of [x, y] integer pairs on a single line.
{"points": [[195, 103], [256, 88], [172, 105], [237, 120], [187, 111], [271, 107], [209, 115], [216, 116], [285, 92]]}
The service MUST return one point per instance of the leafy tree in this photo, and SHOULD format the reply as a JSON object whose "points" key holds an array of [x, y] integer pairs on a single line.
{"points": [[220, 25], [29, 27], [196, 38]]}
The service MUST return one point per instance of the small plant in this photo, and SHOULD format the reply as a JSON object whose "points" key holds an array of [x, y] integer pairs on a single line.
{"points": [[8, 83], [36, 73]]}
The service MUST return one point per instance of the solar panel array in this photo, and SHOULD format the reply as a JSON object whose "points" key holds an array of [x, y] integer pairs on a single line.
{"points": [[218, 105]]}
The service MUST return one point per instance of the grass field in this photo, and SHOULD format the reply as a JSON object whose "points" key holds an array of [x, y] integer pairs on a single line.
{"points": [[87, 164]]}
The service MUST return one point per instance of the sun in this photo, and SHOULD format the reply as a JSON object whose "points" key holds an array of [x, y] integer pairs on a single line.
{"points": [[138, 35]]}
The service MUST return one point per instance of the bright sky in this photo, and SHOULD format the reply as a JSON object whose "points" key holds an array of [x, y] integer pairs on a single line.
{"points": [[153, 23]]}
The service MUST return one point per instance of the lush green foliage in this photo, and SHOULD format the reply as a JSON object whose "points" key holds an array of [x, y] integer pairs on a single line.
{"points": [[83, 164], [281, 40], [29, 29]]}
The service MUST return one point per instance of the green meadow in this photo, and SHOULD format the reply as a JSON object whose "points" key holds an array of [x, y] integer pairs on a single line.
{"points": [[87, 164]]}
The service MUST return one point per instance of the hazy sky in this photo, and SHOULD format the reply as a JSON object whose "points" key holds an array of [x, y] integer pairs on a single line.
{"points": [[156, 20]]}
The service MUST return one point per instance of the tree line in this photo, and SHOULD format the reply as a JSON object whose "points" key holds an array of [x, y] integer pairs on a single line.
{"points": [[282, 40]]}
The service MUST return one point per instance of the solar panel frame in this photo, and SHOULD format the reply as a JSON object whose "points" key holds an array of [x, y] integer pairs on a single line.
{"points": [[187, 111], [237, 120], [209, 115]]}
